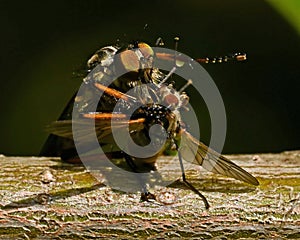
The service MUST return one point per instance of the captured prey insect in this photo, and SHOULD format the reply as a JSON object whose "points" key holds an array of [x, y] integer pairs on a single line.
{"points": [[125, 95]]}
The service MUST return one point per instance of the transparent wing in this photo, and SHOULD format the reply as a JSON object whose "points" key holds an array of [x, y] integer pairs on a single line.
{"points": [[196, 152], [85, 127]]}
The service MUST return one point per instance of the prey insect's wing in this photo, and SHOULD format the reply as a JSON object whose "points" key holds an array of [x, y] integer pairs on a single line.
{"points": [[103, 127], [196, 152]]}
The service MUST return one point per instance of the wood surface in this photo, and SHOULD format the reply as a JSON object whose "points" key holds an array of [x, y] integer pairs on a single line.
{"points": [[44, 198]]}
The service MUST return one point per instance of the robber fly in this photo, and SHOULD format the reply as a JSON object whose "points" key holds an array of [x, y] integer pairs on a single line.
{"points": [[154, 103]]}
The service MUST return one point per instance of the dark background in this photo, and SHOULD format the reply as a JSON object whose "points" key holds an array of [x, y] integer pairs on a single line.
{"points": [[42, 43]]}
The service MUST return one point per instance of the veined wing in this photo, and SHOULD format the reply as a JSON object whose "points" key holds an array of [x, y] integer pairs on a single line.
{"points": [[96, 122], [196, 152]]}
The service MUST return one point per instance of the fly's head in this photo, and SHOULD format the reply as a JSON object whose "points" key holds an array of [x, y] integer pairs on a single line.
{"points": [[136, 56], [164, 112], [123, 67], [132, 57], [173, 99]]}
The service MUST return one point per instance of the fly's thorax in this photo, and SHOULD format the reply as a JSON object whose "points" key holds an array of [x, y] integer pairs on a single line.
{"points": [[103, 57], [156, 114]]}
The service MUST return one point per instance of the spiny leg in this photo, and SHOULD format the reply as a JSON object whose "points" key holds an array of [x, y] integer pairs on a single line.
{"points": [[190, 186], [145, 195]]}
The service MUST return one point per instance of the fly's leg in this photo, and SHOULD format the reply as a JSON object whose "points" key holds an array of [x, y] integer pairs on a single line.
{"points": [[190, 186], [145, 195]]}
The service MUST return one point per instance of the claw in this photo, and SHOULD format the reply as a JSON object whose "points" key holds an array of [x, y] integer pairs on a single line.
{"points": [[147, 196]]}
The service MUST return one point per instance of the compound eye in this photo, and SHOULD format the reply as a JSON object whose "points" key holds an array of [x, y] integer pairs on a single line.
{"points": [[184, 98], [129, 60], [171, 99], [146, 50]]}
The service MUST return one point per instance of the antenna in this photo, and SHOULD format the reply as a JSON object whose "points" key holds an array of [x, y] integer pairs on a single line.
{"points": [[168, 75], [239, 57], [159, 42], [176, 40], [189, 82]]}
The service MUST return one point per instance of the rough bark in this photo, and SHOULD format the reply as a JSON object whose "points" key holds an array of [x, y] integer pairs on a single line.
{"points": [[44, 198]]}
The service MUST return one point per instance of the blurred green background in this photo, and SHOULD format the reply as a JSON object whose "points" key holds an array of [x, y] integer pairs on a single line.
{"points": [[43, 42]]}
